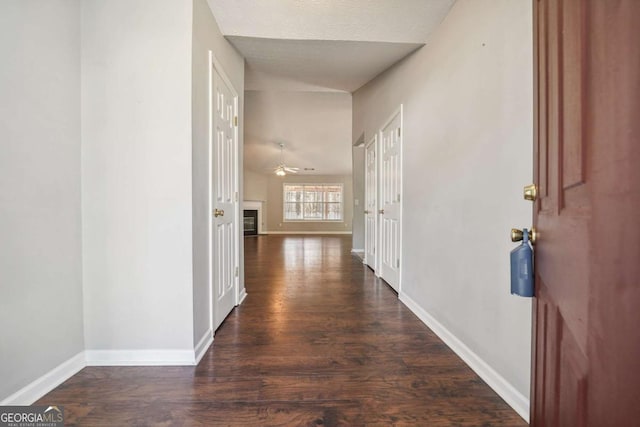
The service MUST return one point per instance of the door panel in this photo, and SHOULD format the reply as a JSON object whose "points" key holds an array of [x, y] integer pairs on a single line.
{"points": [[586, 352], [371, 205], [224, 176], [390, 198], [561, 256]]}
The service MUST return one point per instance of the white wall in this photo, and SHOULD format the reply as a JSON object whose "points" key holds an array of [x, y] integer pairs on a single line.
{"points": [[275, 205], [40, 245], [256, 189], [136, 174], [96, 183], [255, 185], [467, 99], [207, 37]]}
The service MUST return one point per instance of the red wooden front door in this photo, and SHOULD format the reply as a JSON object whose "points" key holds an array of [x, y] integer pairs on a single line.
{"points": [[586, 352]]}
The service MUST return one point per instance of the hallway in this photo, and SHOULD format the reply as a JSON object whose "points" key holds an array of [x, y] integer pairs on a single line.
{"points": [[318, 341]]}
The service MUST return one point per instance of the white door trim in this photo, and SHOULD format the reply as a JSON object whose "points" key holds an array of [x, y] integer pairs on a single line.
{"points": [[215, 65]]}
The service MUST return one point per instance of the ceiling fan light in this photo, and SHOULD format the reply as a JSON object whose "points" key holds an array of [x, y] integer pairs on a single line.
{"points": [[280, 172]]}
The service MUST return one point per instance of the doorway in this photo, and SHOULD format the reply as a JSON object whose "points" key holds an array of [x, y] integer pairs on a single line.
{"points": [[390, 200], [224, 206], [371, 203]]}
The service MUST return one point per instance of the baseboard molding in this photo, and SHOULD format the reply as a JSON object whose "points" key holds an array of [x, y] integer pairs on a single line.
{"points": [[158, 357], [309, 232], [203, 345], [52, 379], [242, 296], [43, 385], [497, 382], [357, 251]]}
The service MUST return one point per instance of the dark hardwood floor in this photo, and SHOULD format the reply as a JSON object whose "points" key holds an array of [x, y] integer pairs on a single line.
{"points": [[318, 341]]}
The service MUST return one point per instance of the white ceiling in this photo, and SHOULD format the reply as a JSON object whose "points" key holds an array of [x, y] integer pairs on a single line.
{"points": [[399, 21], [316, 46], [315, 65]]}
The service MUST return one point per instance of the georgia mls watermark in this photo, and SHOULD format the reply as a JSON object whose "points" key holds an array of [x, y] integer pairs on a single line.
{"points": [[31, 416]]}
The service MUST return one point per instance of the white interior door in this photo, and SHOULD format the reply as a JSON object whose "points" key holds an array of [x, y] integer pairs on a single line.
{"points": [[389, 203], [370, 204], [224, 183]]}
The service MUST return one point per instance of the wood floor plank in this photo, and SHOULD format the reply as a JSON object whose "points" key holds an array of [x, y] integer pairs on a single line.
{"points": [[319, 341]]}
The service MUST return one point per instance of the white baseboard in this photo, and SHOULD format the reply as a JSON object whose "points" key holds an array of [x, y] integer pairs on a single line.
{"points": [[52, 379], [158, 357], [357, 251], [308, 232], [43, 385], [242, 296], [203, 345], [497, 382]]}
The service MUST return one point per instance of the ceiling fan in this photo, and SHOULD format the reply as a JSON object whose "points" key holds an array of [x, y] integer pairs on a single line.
{"points": [[282, 168]]}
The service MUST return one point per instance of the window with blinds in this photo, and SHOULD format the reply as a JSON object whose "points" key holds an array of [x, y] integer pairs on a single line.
{"points": [[313, 202]]}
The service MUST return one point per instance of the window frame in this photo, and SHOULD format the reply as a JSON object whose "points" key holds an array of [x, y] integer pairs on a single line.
{"points": [[316, 184]]}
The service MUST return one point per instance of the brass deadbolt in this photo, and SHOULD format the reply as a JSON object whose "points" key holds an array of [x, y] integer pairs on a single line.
{"points": [[531, 192]]}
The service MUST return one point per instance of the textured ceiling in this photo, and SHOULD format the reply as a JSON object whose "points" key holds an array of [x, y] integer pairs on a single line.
{"points": [[322, 49]]}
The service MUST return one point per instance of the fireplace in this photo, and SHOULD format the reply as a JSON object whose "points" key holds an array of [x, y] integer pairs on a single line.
{"points": [[250, 222]]}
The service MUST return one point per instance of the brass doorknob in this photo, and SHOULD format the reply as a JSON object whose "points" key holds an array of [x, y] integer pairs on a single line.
{"points": [[218, 212], [531, 192], [381, 211], [518, 235]]}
